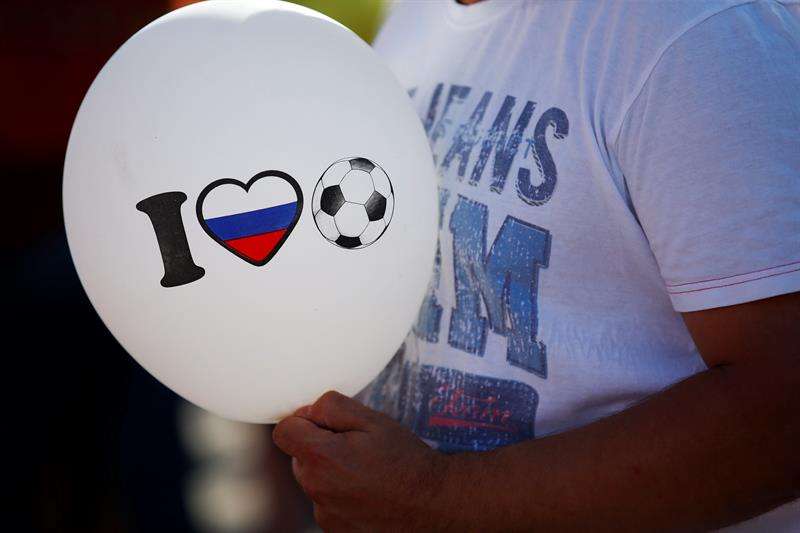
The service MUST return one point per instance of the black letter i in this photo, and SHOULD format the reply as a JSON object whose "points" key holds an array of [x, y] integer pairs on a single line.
{"points": [[164, 211]]}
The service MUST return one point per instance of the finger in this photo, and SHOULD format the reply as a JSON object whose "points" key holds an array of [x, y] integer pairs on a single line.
{"points": [[298, 436], [337, 412], [296, 469]]}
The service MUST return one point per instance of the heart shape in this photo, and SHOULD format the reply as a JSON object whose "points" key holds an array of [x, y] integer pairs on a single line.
{"points": [[251, 220]]}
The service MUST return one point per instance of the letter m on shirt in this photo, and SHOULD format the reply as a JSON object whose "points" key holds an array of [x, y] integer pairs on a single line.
{"points": [[505, 280]]}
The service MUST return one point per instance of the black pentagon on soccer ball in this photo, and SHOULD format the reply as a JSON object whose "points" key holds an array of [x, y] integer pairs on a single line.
{"points": [[360, 163], [348, 242], [375, 206], [331, 200]]}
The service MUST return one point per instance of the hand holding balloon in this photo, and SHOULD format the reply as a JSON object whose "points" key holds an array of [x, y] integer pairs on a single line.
{"points": [[363, 470]]}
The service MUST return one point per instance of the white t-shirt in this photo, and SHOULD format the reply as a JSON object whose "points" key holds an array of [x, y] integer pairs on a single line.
{"points": [[603, 167]]}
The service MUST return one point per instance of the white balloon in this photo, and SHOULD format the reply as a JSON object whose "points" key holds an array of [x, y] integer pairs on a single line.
{"points": [[203, 100]]}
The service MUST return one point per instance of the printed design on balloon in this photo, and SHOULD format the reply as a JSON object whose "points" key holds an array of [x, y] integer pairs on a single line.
{"points": [[251, 220], [353, 202]]}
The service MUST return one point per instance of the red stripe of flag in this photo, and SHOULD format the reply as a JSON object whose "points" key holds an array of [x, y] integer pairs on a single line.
{"points": [[256, 247]]}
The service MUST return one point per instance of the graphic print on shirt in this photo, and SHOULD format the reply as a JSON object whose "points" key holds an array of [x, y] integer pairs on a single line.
{"points": [[487, 142], [505, 280], [457, 411], [495, 279], [462, 411]]}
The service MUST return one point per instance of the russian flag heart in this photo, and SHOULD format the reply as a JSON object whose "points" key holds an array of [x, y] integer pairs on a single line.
{"points": [[251, 220]]}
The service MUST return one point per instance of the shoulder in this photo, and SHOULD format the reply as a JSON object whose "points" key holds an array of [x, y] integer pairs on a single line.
{"points": [[653, 23], [626, 42], [638, 33]]}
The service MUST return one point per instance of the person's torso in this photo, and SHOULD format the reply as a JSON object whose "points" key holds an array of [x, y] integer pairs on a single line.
{"points": [[546, 309]]}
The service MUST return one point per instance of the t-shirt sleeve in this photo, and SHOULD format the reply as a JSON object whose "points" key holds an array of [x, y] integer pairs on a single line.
{"points": [[710, 153]]}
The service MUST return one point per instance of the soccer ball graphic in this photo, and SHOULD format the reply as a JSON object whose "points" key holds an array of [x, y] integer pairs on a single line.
{"points": [[353, 202]]}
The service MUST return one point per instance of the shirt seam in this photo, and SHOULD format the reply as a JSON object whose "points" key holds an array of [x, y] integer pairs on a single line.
{"points": [[722, 278], [674, 293]]}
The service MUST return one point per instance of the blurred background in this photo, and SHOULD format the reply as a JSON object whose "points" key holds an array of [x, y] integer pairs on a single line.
{"points": [[96, 444]]}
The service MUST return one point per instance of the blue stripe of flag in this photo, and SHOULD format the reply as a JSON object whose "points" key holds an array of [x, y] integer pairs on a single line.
{"points": [[252, 222]]}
